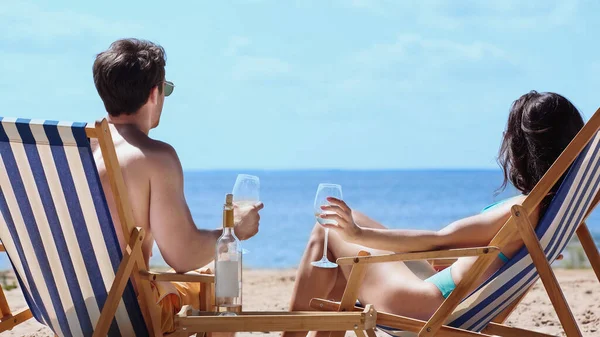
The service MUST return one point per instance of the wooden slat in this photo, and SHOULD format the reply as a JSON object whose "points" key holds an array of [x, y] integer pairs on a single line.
{"points": [[276, 321], [353, 285], [119, 283], [207, 301], [4, 308], [442, 263], [371, 333], [469, 281], [507, 331], [370, 316], [437, 254], [209, 298], [545, 271], [357, 273], [396, 321], [176, 277], [502, 316], [359, 333], [117, 184], [506, 235], [120, 196], [150, 310], [203, 304], [90, 131], [10, 322], [589, 247]]}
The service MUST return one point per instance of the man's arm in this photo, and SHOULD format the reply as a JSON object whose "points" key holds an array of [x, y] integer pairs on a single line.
{"points": [[183, 246]]}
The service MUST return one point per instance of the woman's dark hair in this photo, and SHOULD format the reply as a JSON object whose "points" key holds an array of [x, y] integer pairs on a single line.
{"points": [[540, 126], [125, 74]]}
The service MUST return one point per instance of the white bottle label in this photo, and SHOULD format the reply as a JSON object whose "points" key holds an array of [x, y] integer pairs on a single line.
{"points": [[227, 284]]}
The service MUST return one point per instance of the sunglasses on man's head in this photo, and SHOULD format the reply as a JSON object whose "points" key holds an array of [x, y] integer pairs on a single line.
{"points": [[169, 87]]}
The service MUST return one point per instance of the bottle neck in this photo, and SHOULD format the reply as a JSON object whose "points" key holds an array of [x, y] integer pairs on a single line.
{"points": [[228, 217], [228, 231]]}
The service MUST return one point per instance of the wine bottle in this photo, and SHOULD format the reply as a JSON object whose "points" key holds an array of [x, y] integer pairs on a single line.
{"points": [[228, 266]]}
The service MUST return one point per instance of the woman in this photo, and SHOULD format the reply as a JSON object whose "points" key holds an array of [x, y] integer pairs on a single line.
{"points": [[540, 126]]}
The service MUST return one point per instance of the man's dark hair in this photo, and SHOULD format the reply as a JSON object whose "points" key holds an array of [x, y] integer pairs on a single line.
{"points": [[125, 74]]}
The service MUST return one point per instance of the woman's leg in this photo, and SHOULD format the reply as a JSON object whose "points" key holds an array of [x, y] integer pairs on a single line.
{"points": [[389, 286], [312, 281], [321, 282]]}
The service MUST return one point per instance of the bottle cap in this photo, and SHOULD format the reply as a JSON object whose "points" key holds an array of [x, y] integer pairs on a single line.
{"points": [[228, 211]]}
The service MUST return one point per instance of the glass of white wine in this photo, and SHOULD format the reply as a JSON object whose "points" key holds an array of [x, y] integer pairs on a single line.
{"points": [[325, 191], [246, 193]]}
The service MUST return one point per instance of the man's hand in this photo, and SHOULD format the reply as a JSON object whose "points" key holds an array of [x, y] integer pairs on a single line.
{"points": [[246, 219]]}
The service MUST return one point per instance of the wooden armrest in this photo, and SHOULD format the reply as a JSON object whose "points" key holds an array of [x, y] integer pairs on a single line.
{"points": [[431, 255], [396, 321], [10, 321], [177, 277], [189, 321], [2, 248], [439, 264]]}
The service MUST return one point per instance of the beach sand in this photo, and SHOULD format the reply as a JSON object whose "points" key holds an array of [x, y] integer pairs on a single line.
{"points": [[271, 289]]}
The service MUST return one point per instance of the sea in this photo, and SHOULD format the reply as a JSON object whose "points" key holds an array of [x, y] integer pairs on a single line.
{"points": [[418, 199]]}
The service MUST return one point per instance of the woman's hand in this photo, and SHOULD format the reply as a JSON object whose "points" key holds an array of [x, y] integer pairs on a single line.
{"points": [[339, 211]]}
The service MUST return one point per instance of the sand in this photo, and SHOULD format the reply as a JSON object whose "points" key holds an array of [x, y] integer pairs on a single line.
{"points": [[270, 290]]}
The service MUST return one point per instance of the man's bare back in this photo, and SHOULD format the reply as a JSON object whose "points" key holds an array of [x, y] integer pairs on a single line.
{"points": [[138, 158]]}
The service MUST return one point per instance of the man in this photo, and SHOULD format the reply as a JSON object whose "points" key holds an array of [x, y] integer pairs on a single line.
{"points": [[130, 79]]}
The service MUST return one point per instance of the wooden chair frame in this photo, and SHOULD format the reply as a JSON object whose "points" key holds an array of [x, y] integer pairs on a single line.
{"points": [[517, 225], [8, 320], [188, 321]]}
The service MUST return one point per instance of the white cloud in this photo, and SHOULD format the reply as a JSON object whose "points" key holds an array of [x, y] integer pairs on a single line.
{"points": [[494, 14], [250, 67], [504, 15], [413, 63], [375, 6], [25, 20], [417, 48]]}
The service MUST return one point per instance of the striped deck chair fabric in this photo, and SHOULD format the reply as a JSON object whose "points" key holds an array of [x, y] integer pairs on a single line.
{"points": [[556, 227], [57, 229]]}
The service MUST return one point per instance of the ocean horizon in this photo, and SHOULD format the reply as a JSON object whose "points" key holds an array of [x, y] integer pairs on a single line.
{"points": [[398, 198], [402, 198]]}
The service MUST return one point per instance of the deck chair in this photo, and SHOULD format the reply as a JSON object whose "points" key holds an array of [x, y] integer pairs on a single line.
{"points": [[480, 311], [58, 232]]}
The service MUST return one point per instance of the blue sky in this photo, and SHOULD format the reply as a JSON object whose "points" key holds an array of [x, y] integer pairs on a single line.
{"points": [[312, 84]]}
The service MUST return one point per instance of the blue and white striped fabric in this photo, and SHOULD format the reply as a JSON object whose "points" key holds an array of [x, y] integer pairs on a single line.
{"points": [[57, 229], [555, 229]]}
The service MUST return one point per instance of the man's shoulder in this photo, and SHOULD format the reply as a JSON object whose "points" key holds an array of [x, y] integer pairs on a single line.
{"points": [[147, 153], [154, 147], [160, 154]]}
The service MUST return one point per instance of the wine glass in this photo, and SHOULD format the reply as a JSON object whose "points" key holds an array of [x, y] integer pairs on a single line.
{"points": [[246, 193], [323, 192]]}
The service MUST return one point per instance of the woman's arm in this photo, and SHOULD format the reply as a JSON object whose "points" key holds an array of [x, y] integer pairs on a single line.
{"points": [[477, 230]]}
